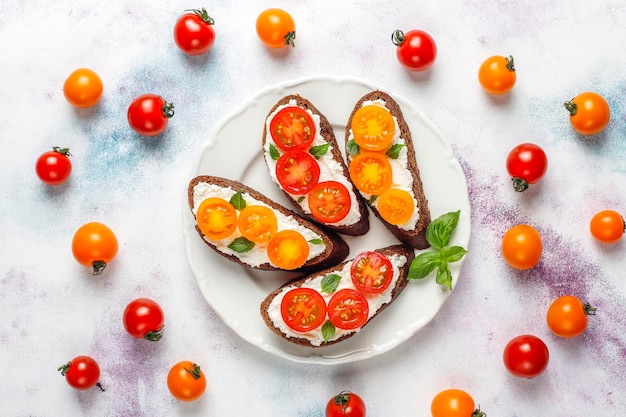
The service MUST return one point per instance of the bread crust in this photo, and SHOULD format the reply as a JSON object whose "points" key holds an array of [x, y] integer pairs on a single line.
{"points": [[416, 238], [400, 285], [336, 249], [326, 131]]}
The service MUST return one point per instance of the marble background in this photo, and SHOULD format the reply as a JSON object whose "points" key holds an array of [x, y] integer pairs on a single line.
{"points": [[52, 309]]}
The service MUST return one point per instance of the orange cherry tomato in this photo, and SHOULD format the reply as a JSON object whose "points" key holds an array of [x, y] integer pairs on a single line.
{"points": [[83, 88], [288, 250], [292, 128], [257, 223], [396, 206], [329, 202], [497, 74], [522, 246], [276, 28], [567, 316], [454, 403], [589, 113], [94, 245], [607, 226], [217, 218], [373, 128], [303, 309], [186, 381], [371, 173]]}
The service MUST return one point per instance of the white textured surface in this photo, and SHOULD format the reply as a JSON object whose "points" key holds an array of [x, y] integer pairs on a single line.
{"points": [[52, 309]]}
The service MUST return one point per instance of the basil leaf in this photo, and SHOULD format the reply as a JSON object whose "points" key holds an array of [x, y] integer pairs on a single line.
{"points": [[330, 283], [328, 330], [440, 230], [352, 147], [319, 150], [453, 254], [274, 154], [241, 245], [237, 201], [423, 265], [301, 199], [394, 151], [316, 241], [444, 277], [373, 198]]}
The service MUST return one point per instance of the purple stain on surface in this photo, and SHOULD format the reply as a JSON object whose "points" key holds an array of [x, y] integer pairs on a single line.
{"points": [[565, 268]]}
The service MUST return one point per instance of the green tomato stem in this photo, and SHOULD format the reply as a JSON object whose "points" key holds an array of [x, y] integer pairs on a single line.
{"points": [[589, 309], [519, 184], [571, 107], [397, 37], [289, 38], [154, 335], [98, 267], [510, 64]]}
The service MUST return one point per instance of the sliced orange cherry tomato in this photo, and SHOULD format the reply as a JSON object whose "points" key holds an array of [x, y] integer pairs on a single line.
{"points": [[348, 309], [297, 172], [396, 206], [288, 250], [371, 172], [589, 113], [257, 223], [303, 309], [371, 272], [292, 128], [217, 218], [373, 128], [607, 226], [329, 202]]}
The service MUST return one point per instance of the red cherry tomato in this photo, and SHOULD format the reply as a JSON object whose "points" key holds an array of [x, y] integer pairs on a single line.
{"points": [[81, 373], [54, 167], [193, 32], [416, 49], [348, 309], [329, 202], [303, 309], [527, 164], [371, 272], [143, 319], [148, 114], [297, 172], [345, 404], [526, 356], [292, 128]]}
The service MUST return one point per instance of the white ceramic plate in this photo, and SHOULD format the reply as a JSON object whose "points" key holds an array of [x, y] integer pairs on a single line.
{"points": [[235, 293]]}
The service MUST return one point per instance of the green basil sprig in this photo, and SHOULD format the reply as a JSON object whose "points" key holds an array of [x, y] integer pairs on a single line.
{"points": [[438, 234], [241, 245], [319, 150], [274, 154], [238, 201]]}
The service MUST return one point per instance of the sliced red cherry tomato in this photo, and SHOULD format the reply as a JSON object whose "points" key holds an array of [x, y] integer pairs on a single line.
{"points": [[371, 172], [329, 202], [371, 272], [292, 128], [396, 206], [288, 250], [348, 309], [297, 172], [217, 218], [303, 309], [373, 128]]}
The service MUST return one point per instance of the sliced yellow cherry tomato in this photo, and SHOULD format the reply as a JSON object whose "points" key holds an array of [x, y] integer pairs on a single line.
{"points": [[288, 250], [217, 218], [373, 128], [371, 173], [257, 223], [396, 206]]}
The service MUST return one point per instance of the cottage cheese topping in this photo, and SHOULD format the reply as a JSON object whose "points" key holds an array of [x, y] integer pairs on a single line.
{"points": [[401, 176], [375, 302], [258, 255], [330, 169]]}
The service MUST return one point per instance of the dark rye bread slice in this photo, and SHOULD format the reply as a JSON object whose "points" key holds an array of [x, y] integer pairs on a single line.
{"points": [[326, 131], [400, 285], [416, 238], [336, 249]]}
